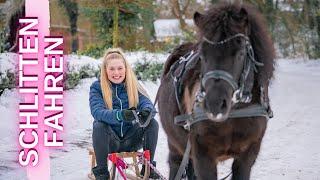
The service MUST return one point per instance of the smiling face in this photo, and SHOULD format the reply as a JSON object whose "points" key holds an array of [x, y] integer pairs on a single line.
{"points": [[116, 70]]}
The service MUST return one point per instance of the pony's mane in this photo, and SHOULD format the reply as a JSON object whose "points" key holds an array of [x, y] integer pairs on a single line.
{"points": [[262, 44]]}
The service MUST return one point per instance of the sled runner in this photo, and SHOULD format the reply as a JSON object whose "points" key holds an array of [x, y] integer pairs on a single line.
{"points": [[124, 165]]}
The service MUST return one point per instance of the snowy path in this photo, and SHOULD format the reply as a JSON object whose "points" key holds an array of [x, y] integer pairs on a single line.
{"points": [[290, 149], [291, 146]]}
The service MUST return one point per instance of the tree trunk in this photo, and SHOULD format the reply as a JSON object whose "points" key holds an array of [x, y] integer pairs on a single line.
{"points": [[73, 18], [71, 7], [317, 24], [115, 37], [270, 12], [179, 12], [290, 33], [312, 18], [214, 1]]}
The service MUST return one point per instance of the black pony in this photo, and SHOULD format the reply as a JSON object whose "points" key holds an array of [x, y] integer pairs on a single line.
{"points": [[213, 98]]}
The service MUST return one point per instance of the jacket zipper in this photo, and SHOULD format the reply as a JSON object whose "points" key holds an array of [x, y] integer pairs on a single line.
{"points": [[121, 127]]}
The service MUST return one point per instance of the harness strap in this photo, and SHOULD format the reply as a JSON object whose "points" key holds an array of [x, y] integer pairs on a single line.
{"points": [[254, 110], [219, 74], [186, 63], [184, 161], [186, 120]]}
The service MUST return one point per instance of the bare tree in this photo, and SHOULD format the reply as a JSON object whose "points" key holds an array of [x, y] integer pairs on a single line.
{"points": [[179, 9]]}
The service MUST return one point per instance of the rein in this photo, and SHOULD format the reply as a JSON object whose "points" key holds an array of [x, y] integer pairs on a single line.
{"points": [[138, 121], [242, 92], [121, 165]]}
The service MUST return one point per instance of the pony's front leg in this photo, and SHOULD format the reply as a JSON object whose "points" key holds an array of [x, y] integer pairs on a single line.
{"points": [[204, 164], [241, 166]]}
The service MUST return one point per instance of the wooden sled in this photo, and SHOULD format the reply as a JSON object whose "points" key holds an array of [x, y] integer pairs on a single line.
{"points": [[134, 174]]}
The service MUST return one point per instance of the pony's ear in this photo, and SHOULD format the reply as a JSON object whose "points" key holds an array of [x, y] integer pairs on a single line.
{"points": [[240, 16], [197, 18], [243, 14]]}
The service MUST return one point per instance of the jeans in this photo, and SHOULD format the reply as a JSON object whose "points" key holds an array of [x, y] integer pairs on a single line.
{"points": [[105, 141]]}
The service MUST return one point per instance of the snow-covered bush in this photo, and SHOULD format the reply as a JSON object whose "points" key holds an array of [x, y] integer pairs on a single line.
{"points": [[7, 80], [8, 71], [3, 43], [79, 67], [72, 78], [94, 51], [148, 70], [148, 66]]}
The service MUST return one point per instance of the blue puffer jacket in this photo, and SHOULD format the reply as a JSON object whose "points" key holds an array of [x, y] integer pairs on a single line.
{"points": [[101, 113]]}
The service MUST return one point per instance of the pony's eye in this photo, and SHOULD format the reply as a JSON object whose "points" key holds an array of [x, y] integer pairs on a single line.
{"points": [[236, 17]]}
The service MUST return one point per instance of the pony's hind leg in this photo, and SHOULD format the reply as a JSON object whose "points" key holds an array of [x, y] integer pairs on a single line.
{"points": [[241, 166]]}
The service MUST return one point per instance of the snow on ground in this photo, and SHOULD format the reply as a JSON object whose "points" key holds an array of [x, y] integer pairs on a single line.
{"points": [[290, 149], [6, 61]]}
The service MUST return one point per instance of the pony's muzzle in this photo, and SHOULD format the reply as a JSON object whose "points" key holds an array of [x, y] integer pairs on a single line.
{"points": [[217, 102], [218, 118], [217, 110]]}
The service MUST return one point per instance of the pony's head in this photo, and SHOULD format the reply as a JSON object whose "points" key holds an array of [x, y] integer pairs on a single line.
{"points": [[224, 33]]}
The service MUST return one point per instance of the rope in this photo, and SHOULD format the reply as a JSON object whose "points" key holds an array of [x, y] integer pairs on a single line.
{"points": [[122, 165], [154, 169], [226, 176], [184, 161], [137, 120]]}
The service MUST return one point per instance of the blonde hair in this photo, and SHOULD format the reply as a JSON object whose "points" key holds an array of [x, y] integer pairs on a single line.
{"points": [[131, 82]]}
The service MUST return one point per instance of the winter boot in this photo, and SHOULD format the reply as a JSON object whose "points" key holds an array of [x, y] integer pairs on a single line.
{"points": [[101, 173]]}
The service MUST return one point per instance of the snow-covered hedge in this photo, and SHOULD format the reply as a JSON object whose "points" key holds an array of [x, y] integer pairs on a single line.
{"points": [[148, 66], [79, 67], [148, 70], [7, 80], [8, 71]]}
